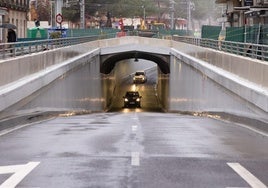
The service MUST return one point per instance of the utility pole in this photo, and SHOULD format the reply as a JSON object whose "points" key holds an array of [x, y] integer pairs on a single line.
{"points": [[82, 14], [52, 16], [172, 10], [58, 8], [190, 7]]}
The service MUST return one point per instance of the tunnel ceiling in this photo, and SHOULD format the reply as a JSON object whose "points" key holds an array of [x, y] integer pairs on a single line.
{"points": [[161, 60]]}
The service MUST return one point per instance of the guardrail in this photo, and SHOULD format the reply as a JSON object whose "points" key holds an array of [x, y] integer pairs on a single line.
{"points": [[15, 49], [244, 49]]}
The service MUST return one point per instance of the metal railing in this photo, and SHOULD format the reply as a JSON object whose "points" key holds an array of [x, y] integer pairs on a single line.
{"points": [[15, 49], [255, 51], [8, 50]]}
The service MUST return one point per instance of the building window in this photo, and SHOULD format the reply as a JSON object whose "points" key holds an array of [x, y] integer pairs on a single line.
{"points": [[248, 3]]}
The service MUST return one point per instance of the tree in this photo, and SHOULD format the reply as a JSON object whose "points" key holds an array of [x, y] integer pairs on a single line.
{"points": [[117, 8], [43, 10], [135, 8]]}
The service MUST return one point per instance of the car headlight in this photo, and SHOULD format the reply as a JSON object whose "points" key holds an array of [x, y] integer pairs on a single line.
{"points": [[138, 99], [125, 99]]}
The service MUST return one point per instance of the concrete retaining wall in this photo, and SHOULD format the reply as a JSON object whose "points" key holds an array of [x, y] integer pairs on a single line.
{"points": [[16, 91], [14, 69], [248, 90], [253, 70], [23, 75]]}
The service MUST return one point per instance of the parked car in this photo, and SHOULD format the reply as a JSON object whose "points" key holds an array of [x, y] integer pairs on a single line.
{"points": [[139, 77], [132, 99]]}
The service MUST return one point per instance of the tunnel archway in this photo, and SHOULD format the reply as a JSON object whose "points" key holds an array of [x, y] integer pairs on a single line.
{"points": [[161, 60]]}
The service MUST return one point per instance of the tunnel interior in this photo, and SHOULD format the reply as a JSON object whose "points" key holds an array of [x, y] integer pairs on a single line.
{"points": [[162, 61], [120, 67], [120, 80]]}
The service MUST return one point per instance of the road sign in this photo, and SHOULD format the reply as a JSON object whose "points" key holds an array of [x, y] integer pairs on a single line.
{"points": [[59, 18]]}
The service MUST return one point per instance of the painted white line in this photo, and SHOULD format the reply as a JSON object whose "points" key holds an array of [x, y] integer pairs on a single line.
{"points": [[135, 158], [10, 169], [134, 128], [247, 176], [6, 131], [244, 126], [253, 129], [20, 171]]}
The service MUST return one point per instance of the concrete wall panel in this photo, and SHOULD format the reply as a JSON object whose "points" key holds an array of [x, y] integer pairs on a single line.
{"points": [[244, 76], [22, 88], [247, 90], [253, 70]]}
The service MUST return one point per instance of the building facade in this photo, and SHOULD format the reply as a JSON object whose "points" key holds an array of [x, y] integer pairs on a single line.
{"points": [[245, 12], [14, 12]]}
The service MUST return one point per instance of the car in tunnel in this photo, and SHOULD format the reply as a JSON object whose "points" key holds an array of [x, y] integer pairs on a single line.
{"points": [[139, 77], [132, 99]]}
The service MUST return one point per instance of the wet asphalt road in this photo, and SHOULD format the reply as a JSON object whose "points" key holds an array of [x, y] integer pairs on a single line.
{"points": [[134, 149]]}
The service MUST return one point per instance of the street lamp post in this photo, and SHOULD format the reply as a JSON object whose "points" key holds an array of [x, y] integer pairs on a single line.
{"points": [[143, 6], [52, 15], [143, 12], [143, 21], [190, 7], [172, 10], [82, 14]]}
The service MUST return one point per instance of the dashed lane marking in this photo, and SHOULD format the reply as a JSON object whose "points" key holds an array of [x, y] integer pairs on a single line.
{"points": [[9, 130], [247, 176], [134, 128], [135, 158]]}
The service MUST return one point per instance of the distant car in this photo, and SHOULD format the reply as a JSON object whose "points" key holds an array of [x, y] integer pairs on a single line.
{"points": [[139, 77], [132, 99]]}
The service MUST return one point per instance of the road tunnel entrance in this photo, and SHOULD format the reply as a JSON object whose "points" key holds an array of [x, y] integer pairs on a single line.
{"points": [[121, 67], [108, 62]]}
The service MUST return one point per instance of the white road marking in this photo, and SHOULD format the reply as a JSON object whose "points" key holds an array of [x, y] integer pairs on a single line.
{"points": [[135, 158], [20, 171], [253, 129], [4, 132], [247, 176], [245, 126], [9, 130], [134, 128]]}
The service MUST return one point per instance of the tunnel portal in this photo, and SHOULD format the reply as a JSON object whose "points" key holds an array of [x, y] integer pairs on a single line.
{"points": [[108, 62]]}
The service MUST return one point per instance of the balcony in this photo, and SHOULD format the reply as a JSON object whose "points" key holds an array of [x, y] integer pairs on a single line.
{"points": [[262, 2], [14, 6], [220, 1]]}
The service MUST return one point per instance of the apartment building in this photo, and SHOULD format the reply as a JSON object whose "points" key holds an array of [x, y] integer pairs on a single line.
{"points": [[14, 12], [245, 12]]}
